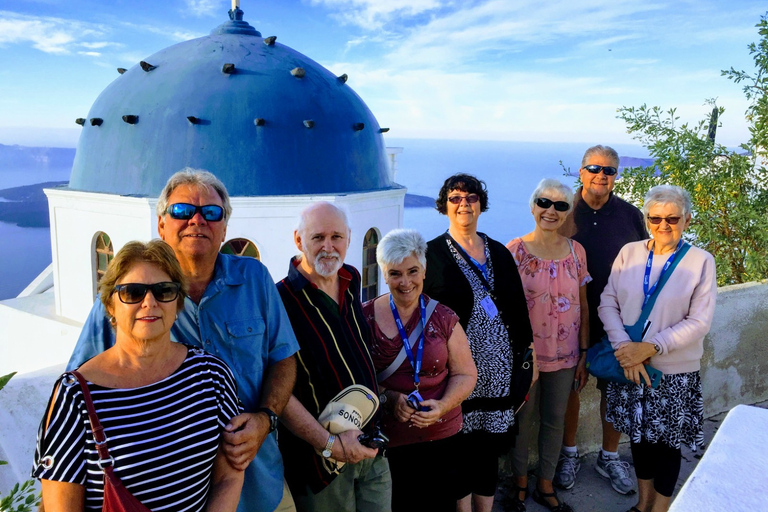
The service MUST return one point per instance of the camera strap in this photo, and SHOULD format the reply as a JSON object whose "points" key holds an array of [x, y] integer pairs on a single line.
{"points": [[412, 340]]}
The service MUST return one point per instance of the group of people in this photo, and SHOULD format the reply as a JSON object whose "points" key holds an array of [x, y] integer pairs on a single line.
{"points": [[197, 364]]}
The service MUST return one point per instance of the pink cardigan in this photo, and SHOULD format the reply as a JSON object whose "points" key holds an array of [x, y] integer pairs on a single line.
{"points": [[683, 311]]}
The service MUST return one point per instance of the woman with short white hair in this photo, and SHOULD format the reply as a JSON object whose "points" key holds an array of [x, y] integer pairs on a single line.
{"points": [[553, 269], [425, 370], [673, 285]]}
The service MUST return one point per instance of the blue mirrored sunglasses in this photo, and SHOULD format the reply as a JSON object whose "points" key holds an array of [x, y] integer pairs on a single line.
{"points": [[185, 211], [595, 169]]}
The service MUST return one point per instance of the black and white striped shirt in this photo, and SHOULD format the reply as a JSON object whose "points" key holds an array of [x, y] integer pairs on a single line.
{"points": [[164, 437]]}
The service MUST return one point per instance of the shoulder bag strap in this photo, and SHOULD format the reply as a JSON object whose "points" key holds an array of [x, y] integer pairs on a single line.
{"points": [[646, 312], [575, 259], [412, 339], [472, 266], [98, 430]]}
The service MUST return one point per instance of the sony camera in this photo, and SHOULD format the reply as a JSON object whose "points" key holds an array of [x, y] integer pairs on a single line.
{"points": [[376, 440]]}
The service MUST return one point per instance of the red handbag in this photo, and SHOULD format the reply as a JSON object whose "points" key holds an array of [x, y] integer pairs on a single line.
{"points": [[116, 497]]}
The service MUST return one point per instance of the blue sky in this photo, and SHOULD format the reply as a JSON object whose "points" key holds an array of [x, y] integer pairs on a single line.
{"points": [[526, 70]]}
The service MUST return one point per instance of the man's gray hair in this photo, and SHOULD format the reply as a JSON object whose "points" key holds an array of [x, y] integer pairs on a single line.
{"points": [[607, 151], [668, 194], [399, 244], [303, 216], [552, 185], [196, 178]]}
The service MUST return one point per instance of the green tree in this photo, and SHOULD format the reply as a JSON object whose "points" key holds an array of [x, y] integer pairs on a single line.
{"points": [[729, 189]]}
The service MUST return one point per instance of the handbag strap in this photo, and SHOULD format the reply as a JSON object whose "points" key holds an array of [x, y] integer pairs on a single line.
{"points": [[96, 428], [412, 340], [472, 266], [646, 312]]}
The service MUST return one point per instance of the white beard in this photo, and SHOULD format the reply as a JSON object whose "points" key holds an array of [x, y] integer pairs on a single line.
{"points": [[326, 268]]}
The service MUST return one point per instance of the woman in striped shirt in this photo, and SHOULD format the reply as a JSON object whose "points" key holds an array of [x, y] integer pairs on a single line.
{"points": [[163, 405]]}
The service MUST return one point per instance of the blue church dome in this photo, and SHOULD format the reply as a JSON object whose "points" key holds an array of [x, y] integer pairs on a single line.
{"points": [[264, 118]]}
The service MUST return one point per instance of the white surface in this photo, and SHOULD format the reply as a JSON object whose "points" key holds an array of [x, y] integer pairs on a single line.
{"points": [[732, 475]]}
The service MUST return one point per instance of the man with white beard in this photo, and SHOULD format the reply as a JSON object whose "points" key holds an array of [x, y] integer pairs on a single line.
{"points": [[322, 298]]}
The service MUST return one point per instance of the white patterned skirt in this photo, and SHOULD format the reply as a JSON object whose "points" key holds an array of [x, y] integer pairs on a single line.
{"points": [[672, 414]]}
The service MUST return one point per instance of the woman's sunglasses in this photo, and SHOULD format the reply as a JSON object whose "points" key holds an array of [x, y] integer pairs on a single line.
{"points": [[471, 199], [133, 293], [185, 211], [670, 220], [595, 169], [544, 203]]}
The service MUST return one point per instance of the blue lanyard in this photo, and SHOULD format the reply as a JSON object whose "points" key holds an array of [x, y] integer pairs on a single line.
{"points": [[482, 267], [415, 362], [646, 280]]}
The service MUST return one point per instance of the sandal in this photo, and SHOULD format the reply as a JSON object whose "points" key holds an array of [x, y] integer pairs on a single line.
{"points": [[515, 504], [541, 498]]}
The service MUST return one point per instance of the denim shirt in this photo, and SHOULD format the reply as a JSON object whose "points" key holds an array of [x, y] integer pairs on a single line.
{"points": [[240, 319]]}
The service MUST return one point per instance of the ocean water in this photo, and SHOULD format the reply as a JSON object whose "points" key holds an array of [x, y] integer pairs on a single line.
{"points": [[511, 171]]}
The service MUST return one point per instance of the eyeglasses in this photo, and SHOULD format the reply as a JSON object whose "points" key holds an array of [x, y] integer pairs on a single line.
{"points": [[670, 220], [133, 293], [185, 211], [595, 169], [544, 203], [471, 199]]}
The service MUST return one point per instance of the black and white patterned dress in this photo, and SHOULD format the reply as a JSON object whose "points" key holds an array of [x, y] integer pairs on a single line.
{"points": [[672, 414], [491, 350], [163, 437]]}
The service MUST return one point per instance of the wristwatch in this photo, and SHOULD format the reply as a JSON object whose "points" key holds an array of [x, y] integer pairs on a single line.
{"points": [[657, 347], [271, 415], [326, 453]]}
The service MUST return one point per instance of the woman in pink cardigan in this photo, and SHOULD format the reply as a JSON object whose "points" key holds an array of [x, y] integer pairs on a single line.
{"points": [[659, 420]]}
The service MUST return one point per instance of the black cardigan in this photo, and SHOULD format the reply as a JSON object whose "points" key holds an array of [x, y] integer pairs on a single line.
{"points": [[446, 283]]}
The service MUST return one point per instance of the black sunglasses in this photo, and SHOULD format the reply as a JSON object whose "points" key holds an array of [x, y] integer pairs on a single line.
{"points": [[471, 199], [185, 211], [133, 293], [595, 169], [544, 203], [670, 220]]}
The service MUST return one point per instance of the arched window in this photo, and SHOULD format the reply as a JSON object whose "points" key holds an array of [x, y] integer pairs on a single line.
{"points": [[370, 267], [240, 247], [104, 254]]}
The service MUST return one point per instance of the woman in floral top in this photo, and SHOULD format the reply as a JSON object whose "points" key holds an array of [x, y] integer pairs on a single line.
{"points": [[554, 273]]}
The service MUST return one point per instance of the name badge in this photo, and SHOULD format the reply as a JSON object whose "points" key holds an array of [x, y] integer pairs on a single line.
{"points": [[489, 307]]}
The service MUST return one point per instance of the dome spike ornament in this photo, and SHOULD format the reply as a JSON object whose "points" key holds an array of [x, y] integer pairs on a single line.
{"points": [[131, 119], [96, 121], [146, 66], [121, 70], [270, 41], [358, 126], [228, 69], [309, 123], [343, 78], [259, 121], [80, 121], [383, 130], [298, 72], [193, 120]]}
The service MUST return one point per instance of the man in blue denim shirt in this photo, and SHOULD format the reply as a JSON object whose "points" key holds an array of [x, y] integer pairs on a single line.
{"points": [[233, 311]]}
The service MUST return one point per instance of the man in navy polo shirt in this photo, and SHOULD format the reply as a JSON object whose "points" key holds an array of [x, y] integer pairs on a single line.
{"points": [[603, 223]]}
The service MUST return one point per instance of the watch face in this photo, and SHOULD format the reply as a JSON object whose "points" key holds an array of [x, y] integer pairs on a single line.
{"points": [[327, 454]]}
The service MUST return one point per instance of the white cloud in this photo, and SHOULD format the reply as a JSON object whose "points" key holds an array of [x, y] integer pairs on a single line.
{"points": [[99, 45], [47, 34], [90, 54], [374, 14], [201, 8]]}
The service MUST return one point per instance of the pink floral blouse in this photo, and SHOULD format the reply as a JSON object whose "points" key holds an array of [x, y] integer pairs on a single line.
{"points": [[552, 292]]}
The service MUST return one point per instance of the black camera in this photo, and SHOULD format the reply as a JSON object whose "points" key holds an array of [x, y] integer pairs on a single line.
{"points": [[376, 440]]}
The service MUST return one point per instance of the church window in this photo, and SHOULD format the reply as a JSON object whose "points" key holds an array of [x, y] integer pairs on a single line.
{"points": [[370, 267], [104, 254], [241, 247]]}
